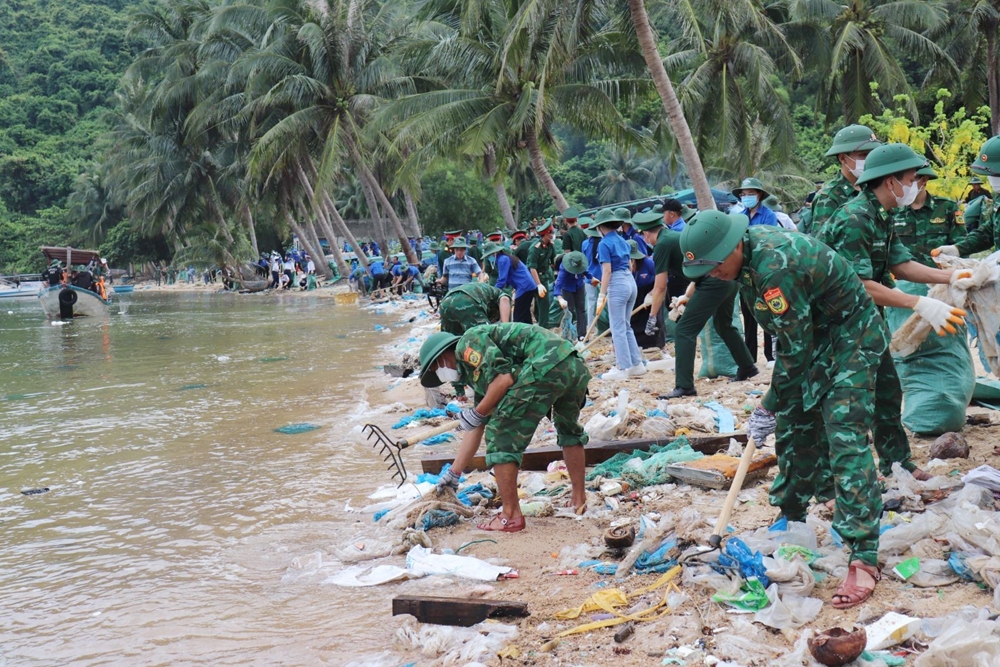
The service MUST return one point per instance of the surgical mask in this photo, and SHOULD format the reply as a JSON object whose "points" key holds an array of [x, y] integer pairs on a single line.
{"points": [[446, 374], [750, 201], [909, 193], [994, 183], [858, 168]]}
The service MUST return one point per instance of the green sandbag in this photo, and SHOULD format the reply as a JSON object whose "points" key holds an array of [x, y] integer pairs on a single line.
{"points": [[716, 360], [937, 379]]}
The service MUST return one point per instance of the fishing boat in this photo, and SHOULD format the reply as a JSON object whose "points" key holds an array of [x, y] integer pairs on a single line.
{"points": [[123, 289], [66, 301], [14, 287]]}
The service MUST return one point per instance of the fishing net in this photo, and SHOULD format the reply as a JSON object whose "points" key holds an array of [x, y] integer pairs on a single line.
{"points": [[568, 326], [645, 468]]}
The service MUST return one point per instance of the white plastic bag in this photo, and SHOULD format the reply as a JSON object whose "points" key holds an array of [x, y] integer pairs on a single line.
{"points": [[791, 576], [963, 644], [787, 612], [600, 427]]}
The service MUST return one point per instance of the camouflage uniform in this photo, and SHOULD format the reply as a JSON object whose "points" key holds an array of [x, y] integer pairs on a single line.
{"points": [[987, 234], [832, 341], [834, 194], [468, 306], [540, 258], [973, 214], [862, 233], [548, 373], [934, 224]]}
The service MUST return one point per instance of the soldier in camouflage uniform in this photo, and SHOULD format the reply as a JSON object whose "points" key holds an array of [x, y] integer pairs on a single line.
{"points": [[863, 233], [541, 255], [832, 340], [927, 223], [519, 373], [987, 234], [473, 304], [851, 146]]}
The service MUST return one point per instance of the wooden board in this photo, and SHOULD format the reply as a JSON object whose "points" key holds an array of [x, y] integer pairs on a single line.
{"points": [[717, 471], [538, 458], [455, 611]]}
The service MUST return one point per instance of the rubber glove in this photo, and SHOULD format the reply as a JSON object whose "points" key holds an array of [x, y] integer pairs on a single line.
{"points": [[602, 299], [762, 424], [939, 315], [962, 280], [648, 301], [562, 302], [469, 419], [945, 250], [542, 291], [651, 326], [449, 480]]}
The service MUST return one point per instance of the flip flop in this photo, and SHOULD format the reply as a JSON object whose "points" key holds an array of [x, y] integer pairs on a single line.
{"points": [[851, 590], [506, 525]]}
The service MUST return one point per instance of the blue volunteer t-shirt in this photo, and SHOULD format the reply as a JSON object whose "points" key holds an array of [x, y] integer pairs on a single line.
{"points": [[508, 276], [614, 250], [567, 282], [645, 272]]}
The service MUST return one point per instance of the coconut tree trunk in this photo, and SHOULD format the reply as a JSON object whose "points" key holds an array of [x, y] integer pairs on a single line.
{"points": [[341, 225], [307, 243], [490, 162], [993, 79], [411, 214], [672, 105], [376, 217], [542, 172], [252, 229], [366, 175]]}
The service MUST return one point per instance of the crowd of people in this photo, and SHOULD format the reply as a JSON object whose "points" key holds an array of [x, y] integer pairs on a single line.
{"points": [[818, 291]]}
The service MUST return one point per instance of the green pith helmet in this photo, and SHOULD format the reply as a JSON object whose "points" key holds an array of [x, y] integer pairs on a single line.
{"points": [[589, 227], [751, 184], [853, 138], [975, 181], [633, 250], [772, 203], [647, 221], [544, 227], [460, 243], [624, 215], [988, 162], [928, 172], [687, 212], [709, 239], [889, 159], [435, 246], [571, 213], [575, 262], [55, 263], [606, 216], [432, 348], [490, 248]]}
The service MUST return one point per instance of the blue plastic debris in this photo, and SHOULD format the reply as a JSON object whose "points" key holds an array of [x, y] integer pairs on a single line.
{"points": [[379, 327], [422, 413], [293, 429], [656, 413], [439, 519], [750, 563], [379, 515], [835, 536], [656, 560], [724, 419], [779, 526], [957, 562], [437, 439], [475, 489], [432, 478]]}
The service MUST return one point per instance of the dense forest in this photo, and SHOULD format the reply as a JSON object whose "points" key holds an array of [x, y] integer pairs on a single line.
{"points": [[204, 131]]}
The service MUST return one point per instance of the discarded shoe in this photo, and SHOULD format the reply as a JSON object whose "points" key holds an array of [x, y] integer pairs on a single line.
{"points": [[505, 525], [745, 374], [615, 374], [680, 392]]}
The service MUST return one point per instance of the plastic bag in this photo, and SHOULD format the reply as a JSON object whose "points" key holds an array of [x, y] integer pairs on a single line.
{"points": [[751, 597], [716, 359], [789, 611], [653, 470], [750, 563], [792, 577], [897, 541], [656, 428], [933, 572], [601, 427], [963, 644]]}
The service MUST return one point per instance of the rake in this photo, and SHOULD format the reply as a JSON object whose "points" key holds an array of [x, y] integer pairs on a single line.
{"points": [[391, 450]]}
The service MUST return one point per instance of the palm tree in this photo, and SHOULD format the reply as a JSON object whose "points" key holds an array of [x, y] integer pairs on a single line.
{"points": [[856, 41], [625, 179], [92, 205], [671, 104]]}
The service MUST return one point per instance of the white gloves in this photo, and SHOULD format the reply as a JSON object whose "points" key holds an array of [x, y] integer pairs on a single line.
{"points": [[542, 291], [939, 315], [677, 305], [449, 480], [602, 299], [762, 424], [562, 302], [945, 250], [648, 301], [962, 280]]}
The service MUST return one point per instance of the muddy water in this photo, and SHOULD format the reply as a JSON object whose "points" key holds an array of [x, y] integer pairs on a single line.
{"points": [[179, 528]]}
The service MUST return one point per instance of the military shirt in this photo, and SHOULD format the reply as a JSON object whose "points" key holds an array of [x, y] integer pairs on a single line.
{"points": [[862, 232], [526, 351], [475, 253], [987, 234], [934, 224], [811, 298], [573, 239], [470, 305], [521, 252], [834, 194], [973, 214], [667, 256], [540, 258]]}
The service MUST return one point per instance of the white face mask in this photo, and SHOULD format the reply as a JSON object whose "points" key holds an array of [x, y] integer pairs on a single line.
{"points": [[858, 168], [446, 374], [994, 183], [909, 193]]}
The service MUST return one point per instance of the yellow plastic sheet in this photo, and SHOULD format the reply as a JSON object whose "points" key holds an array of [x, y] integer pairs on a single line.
{"points": [[608, 600]]}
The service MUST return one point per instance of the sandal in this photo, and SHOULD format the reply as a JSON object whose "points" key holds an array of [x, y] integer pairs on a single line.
{"points": [[506, 525], [851, 591]]}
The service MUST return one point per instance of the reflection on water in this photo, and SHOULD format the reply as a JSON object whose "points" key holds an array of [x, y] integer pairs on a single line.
{"points": [[175, 512]]}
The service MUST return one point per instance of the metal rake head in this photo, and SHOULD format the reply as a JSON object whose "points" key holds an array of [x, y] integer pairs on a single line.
{"points": [[388, 450]]}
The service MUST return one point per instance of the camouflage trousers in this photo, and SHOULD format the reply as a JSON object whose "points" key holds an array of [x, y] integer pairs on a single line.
{"points": [[835, 431], [510, 428], [890, 439]]}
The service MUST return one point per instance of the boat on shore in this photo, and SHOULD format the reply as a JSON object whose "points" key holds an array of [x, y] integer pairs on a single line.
{"points": [[67, 301], [20, 286], [123, 289]]}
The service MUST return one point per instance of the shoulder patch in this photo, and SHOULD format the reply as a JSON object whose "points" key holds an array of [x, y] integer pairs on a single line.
{"points": [[776, 301], [937, 221], [759, 305], [472, 357], [959, 220]]}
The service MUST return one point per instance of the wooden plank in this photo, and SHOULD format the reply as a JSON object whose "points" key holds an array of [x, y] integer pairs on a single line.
{"points": [[455, 611], [538, 458]]}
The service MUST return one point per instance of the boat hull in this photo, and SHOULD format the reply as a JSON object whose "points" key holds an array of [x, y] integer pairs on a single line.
{"points": [[28, 289], [86, 303], [123, 289]]}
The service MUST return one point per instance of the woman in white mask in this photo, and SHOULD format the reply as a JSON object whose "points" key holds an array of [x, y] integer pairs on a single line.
{"points": [[987, 234]]}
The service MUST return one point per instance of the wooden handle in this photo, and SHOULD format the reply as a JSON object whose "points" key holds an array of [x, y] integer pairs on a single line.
{"points": [[734, 490], [414, 439], [608, 330]]}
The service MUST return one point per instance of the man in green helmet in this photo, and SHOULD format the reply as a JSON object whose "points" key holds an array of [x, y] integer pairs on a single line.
{"points": [[832, 340], [520, 373], [930, 221], [574, 236], [862, 232], [473, 304], [976, 190], [987, 234], [541, 256], [850, 146]]}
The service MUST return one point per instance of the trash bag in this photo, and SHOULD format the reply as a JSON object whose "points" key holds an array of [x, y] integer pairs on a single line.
{"points": [[716, 359], [963, 643], [787, 611], [601, 427], [749, 562], [937, 378], [567, 327]]}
